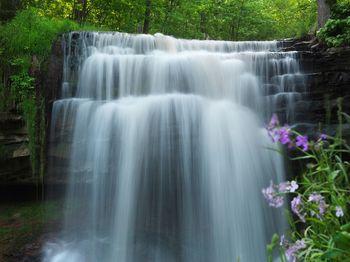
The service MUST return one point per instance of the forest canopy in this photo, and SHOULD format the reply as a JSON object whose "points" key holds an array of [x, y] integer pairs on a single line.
{"points": [[202, 19]]}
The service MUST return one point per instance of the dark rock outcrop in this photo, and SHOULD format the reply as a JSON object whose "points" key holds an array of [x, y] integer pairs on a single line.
{"points": [[328, 87], [14, 152], [51, 90]]}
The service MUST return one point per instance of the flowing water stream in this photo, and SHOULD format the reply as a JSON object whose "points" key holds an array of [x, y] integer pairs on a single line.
{"points": [[167, 148]]}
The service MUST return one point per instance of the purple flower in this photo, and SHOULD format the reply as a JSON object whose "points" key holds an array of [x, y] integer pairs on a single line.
{"points": [[292, 250], [296, 205], [272, 196], [314, 197], [284, 135], [293, 186], [274, 134], [279, 201], [322, 206], [323, 137], [296, 202], [302, 141], [339, 211], [271, 128], [274, 122], [286, 187]]}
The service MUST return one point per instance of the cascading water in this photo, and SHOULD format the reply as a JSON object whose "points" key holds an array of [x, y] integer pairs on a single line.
{"points": [[168, 153]]}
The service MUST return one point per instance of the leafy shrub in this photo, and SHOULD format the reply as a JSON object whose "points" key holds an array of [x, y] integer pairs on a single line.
{"points": [[30, 33], [26, 35], [336, 31], [320, 198], [341, 10]]}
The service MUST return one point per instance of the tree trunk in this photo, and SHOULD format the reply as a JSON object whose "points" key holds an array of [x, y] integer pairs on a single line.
{"points": [[80, 11], [34, 71], [232, 30], [323, 13], [239, 20], [171, 4], [73, 10], [203, 21], [147, 19], [8, 9], [84, 11]]}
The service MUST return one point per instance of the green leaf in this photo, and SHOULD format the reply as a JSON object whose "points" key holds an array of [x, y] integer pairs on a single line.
{"points": [[345, 227], [347, 117]]}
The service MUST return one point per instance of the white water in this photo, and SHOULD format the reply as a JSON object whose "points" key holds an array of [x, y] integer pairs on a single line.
{"points": [[167, 147]]}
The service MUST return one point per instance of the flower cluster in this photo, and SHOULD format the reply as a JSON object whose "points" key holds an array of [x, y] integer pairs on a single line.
{"points": [[339, 211], [297, 207], [274, 193], [292, 249], [272, 196], [302, 142], [277, 133], [286, 187], [320, 202], [286, 136]]}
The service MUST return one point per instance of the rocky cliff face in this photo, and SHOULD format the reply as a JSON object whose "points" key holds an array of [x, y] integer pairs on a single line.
{"points": [[15, 164], [14, 151], [327, 78]]}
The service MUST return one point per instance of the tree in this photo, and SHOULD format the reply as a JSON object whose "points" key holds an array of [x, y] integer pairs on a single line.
{"points": [[147, 19], [8, 9], [214, 19], [323, 13]]}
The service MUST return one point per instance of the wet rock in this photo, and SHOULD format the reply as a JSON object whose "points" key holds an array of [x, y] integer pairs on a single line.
{"points": [[327, 81], [14, 151]]}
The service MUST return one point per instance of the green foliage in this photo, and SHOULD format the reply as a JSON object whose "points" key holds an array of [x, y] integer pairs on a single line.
{"points": [[214, 19], [21, 86], [341, 10], [29, 34], [336, 31], [8, 9], [327, 174], [23, 223], [323, 225]]}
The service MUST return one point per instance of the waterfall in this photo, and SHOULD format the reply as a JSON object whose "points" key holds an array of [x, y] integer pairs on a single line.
{"points": [[167, 152]]}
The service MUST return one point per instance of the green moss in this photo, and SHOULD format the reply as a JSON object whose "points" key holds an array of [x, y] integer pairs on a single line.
{"points": [[3, 152], [29, 111], [31, 211], [23, 223]]}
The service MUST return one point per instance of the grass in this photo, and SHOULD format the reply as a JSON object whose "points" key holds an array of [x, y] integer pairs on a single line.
{"points": [[24, 224]]}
